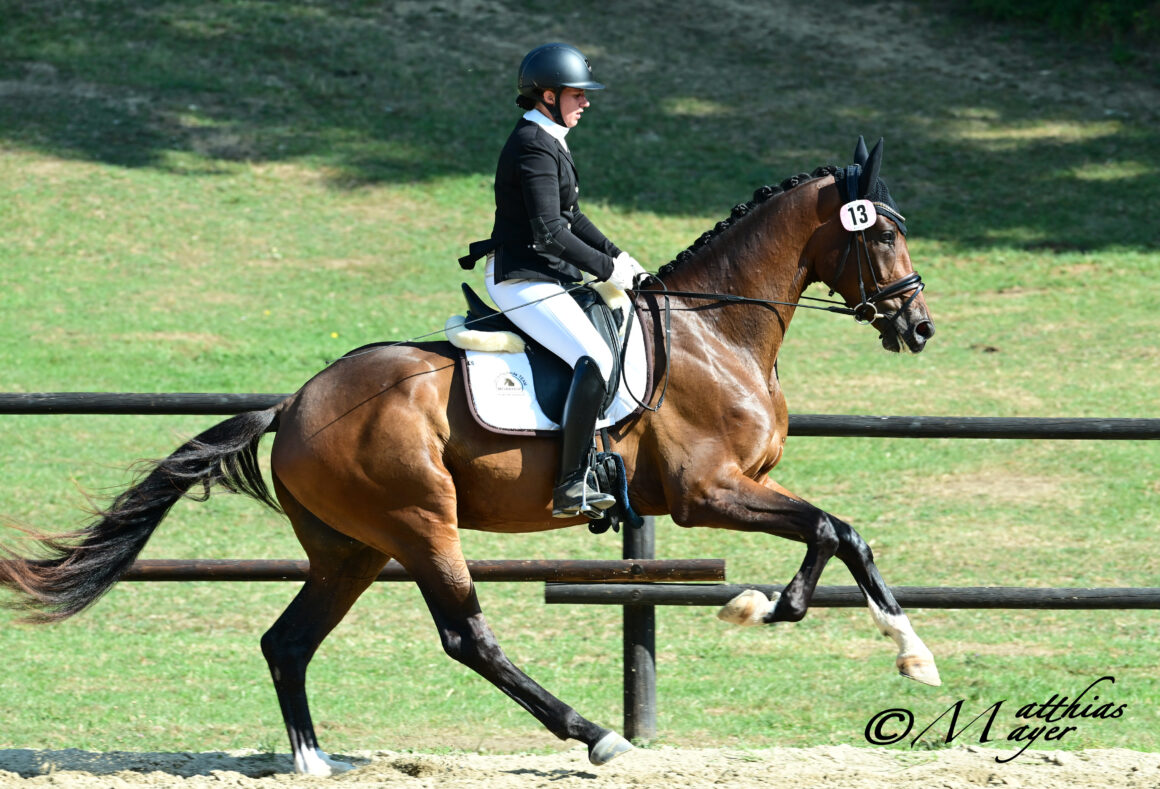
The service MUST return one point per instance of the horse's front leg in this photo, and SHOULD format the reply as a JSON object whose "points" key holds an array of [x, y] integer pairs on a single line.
{"points": [[742, 504]]}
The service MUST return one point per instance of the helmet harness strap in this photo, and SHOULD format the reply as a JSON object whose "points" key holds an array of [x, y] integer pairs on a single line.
{"points": [[554, 111]]}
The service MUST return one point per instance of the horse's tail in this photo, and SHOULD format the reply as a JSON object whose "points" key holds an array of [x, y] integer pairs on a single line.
{"points": [[83, 565]]}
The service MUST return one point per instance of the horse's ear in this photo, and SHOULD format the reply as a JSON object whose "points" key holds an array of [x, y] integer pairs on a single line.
{"points": [[870, 170], [860, 153]]}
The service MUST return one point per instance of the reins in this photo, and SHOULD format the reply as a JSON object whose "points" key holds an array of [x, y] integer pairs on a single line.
{"points": [[731, 298], [910, 281], [866, 312]]}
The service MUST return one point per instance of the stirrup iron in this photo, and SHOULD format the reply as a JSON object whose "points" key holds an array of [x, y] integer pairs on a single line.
{"points": [[575, 496]]}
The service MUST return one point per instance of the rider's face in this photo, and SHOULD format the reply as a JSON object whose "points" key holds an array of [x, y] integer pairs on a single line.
{"points": [[573, 102]]}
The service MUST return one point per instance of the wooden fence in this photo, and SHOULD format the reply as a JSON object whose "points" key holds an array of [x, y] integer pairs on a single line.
{"points": [[641, 582]]}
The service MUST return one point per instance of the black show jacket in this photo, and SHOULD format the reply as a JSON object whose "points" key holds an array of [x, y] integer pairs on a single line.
{"points": [[540, 232]]}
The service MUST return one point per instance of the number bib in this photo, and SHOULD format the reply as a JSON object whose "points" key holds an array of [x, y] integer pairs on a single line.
{"points": [[858, 215]]}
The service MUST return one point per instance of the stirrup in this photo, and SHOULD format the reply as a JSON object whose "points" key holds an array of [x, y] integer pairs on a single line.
{"points": [[574, 496]]}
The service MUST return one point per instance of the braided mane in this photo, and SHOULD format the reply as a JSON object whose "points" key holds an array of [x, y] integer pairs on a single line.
{"points": [[740, 210]]}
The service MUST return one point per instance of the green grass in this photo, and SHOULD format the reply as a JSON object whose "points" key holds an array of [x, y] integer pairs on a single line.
{"points": [[225, 196]]}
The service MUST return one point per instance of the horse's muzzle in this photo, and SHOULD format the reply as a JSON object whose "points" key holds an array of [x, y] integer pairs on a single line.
{"points": [[907, 333]]}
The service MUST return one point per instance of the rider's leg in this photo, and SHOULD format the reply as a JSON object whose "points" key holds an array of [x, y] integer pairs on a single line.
{"points": [[546, 312], [573, 495]]}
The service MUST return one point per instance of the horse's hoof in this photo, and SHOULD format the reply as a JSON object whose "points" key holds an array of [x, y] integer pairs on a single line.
{"points": [[319, 764], [748, 608], [920, 669], [608, 748]]}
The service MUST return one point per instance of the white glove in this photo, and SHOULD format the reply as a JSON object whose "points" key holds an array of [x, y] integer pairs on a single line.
{"points": [[624, 271]]}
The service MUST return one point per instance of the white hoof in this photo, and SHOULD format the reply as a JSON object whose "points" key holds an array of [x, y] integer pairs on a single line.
{"points": [[748, 608], [920, 668], [318, 763], [608, 748]]}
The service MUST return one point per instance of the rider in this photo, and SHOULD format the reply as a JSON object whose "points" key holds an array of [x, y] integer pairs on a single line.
{"points": [[541, 243]]}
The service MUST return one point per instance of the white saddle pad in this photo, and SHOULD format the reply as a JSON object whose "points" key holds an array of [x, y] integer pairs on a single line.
{"points": [[503, 392]]}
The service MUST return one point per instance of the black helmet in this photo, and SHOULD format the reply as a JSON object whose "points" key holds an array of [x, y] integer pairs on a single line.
{"points": [[555, 66]]}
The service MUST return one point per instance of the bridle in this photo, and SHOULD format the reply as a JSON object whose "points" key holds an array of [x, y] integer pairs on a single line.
{"points": [[867, 309], [865, 312], [847, 180]]}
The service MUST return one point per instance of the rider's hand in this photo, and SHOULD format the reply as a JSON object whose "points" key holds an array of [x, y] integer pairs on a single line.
{"points": [[625, 268]]}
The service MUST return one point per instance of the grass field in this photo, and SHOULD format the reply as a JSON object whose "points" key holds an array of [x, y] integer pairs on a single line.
{"points": [[225, 196]]}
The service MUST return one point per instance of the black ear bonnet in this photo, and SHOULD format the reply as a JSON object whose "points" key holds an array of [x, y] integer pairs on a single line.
{"points": [[860, 181]]}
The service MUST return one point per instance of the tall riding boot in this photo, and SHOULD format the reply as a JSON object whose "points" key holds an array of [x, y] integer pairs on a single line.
{"points": [[573, 495]]}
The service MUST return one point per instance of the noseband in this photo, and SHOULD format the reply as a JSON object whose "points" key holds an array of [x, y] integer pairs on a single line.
{"points": [[867, 310]]}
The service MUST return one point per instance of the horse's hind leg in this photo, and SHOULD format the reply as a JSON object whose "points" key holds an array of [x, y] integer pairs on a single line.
{"points": [[445, 582], [341, 569]]}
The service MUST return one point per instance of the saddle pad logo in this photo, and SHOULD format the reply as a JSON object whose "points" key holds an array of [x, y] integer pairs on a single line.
{"points": [[510, 384]]}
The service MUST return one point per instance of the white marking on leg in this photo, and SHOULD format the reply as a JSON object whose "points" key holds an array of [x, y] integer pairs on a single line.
{"points": [[748, 608], [316, 762], [914, 660]]}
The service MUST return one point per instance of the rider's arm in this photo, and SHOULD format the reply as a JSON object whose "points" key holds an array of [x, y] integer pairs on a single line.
{"points": [[552, 233]]}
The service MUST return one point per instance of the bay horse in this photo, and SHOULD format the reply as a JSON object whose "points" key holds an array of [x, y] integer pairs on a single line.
{"points": [[377, 456]]}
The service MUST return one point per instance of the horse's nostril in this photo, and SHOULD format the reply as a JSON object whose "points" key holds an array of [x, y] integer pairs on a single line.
{"points": [[924, 329]]}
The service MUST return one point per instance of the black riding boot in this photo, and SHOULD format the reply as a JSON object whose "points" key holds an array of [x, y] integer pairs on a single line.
{"points": [[573, 495]]}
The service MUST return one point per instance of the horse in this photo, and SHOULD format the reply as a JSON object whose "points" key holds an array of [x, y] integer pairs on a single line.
{"points": [[377, 457]]}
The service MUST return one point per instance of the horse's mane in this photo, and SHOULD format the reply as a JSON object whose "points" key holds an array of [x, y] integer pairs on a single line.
{"points": [[740, 210]]}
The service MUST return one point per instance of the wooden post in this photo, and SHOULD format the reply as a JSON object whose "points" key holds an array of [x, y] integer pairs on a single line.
{"points": [[640, 646]]}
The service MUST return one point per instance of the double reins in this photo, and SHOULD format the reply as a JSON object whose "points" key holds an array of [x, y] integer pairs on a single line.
{"points": [[864, 313], [728, 298]]}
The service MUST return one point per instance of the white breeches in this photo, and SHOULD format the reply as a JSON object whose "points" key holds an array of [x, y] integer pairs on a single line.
{"points": [[546, 312]]}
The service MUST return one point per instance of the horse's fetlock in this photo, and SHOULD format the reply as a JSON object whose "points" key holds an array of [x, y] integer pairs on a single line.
{"points": [[787, 609], [789, 613]]}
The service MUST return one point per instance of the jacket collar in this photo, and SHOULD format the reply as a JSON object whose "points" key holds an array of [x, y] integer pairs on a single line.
{"points": [[548, 125]]}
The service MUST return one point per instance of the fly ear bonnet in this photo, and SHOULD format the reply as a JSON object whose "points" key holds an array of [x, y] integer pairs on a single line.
{"points": [[860, 181]]}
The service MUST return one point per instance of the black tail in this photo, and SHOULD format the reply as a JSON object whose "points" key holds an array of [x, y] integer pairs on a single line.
{"points": [[83, 565]]}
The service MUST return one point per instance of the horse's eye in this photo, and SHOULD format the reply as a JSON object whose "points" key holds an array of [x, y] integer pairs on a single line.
{"points": [[887, 237]]}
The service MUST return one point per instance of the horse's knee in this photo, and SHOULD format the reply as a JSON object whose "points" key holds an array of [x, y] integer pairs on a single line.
{"points": [[851, 546], [452, 641], [273, 647], [286, 658], [826, 537]]}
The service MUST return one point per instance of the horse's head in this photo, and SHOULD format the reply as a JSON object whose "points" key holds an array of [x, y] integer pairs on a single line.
{"points": [[866, 259]]}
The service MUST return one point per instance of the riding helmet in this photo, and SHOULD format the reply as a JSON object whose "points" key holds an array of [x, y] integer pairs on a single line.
{"points": [[555, 66]]}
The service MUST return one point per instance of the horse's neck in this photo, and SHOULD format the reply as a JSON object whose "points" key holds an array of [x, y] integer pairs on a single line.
{"points": [[760, 258]]}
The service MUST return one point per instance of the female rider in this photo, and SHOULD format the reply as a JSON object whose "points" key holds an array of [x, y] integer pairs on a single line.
{"points": [[541, 244]]}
